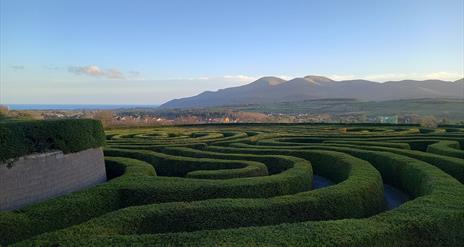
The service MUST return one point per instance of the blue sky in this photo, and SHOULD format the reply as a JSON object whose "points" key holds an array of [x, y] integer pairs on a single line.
{"points": [[147, 52]]}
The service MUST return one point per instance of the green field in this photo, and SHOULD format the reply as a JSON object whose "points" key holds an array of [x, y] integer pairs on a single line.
{"points": [[252, 185]]}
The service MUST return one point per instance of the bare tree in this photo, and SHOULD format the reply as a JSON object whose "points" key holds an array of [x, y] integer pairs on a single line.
{"points": [[3, 111], [429, 121], [106, 117]]}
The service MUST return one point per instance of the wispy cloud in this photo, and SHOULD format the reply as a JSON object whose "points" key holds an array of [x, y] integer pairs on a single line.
{"points": [[113, 74], [240, 78], [17, 67], [95, 71], [228, 78], [445, 76]]}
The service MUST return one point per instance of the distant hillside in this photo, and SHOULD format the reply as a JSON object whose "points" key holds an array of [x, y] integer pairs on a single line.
{"points": [[273, 90], [449, 108]]}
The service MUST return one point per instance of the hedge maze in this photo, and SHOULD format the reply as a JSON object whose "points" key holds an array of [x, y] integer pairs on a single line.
{"points": [[261, 185]]}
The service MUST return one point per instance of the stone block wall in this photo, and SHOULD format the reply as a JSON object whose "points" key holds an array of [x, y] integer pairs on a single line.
{"points": [[38, 177]]}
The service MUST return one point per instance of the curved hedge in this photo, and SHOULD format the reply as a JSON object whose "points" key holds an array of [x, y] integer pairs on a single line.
{"points": [[448, 148], [72, 135], [360, 195], [242, 185], [451, 165]]}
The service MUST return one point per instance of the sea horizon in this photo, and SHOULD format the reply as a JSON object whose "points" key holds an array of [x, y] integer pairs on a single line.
{"points": [[76, 106]]}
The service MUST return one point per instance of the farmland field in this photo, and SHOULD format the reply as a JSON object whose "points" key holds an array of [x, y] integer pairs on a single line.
{"points": [[262, 184]]}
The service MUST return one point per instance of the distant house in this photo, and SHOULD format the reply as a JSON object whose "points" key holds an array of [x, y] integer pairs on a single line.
{"points": [[389, 119]]}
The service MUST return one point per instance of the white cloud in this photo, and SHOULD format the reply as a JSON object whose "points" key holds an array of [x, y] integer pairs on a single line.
{"points": [[95, 71], [114, 74], [240, 78], [342, 77], [286, 77], [447, 76], [227, 78], [201, 78]]}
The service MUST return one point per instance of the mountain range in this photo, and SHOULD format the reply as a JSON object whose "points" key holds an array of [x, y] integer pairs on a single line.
{"points": [[274, 89]]}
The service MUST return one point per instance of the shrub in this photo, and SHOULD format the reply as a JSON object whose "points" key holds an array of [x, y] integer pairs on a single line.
{"points": [[26, 137]]}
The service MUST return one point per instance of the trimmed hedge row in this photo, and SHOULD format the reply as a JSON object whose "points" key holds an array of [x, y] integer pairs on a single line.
{"points": [[185, 138], [180, 166], [358, 194], [74, 208], [451, 165], [438, 210], [138, 186], [433, 218], [300, 124], [250, 185], [374, 143], [415, 143], [134, 191], [448, 148], [26, 137]]}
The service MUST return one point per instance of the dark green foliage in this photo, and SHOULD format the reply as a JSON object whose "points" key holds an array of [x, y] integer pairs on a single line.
{"points": [[448, 148], [25, 137], [242, 185], [426, 130], [360, 195], [457, 126]]}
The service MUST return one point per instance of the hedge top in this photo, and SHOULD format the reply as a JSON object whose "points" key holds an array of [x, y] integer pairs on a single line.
{"points": [[70, 135]]}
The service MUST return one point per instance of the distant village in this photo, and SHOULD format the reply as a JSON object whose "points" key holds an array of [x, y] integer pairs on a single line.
{"points": [[141, 117]]}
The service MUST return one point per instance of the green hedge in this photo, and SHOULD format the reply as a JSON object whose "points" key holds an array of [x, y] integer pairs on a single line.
{"points": [[141, 189], [433, 218], [274, 207], [300, 124], [138, 186], [451, 126], [451, 165], [26, 137], [374, 143], [76, 207], [448, 148], [358, 195]]}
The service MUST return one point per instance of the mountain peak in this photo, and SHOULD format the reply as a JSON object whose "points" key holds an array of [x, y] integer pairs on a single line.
{"points": [[273, 89], [268, 81], [316, 78]]}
